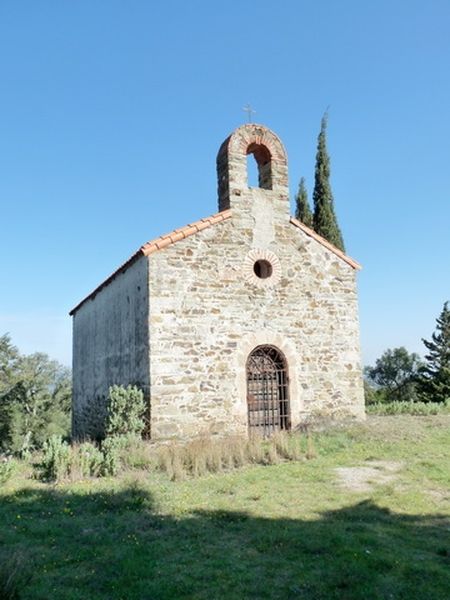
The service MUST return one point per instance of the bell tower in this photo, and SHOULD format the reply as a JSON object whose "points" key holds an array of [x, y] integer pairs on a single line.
{"points": [[270, 156]]}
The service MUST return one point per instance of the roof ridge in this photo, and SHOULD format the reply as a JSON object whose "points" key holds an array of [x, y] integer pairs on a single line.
{"points": [[158, 244], [183, 232]]}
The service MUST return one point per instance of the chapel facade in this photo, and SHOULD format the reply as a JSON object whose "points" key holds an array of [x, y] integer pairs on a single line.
{"points": [[245, 321]]}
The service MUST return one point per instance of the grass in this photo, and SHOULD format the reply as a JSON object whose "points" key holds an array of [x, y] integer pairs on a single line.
{"points": [[409, 408], [288, 530]]}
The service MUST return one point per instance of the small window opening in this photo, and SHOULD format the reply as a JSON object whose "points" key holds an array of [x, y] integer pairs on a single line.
{"points": [[262, 269], [252, 172], [263, 161]]}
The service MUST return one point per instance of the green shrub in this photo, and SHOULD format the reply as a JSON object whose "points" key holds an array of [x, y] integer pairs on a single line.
{"points": [[86, 460], [122, 452], [409, 408], [126, 408], [56, 460], [6, 469], [111, 448], [178, 460]]}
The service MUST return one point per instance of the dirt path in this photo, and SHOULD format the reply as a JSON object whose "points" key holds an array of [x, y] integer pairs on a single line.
{"points": [[365, 478]]}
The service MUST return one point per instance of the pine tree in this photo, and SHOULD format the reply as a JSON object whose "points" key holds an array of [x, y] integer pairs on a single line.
{"points": [[325, 222], [434, 384], [302, 211]]}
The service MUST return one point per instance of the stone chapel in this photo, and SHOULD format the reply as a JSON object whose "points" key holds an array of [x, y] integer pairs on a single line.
{"points": [[245, 321]]}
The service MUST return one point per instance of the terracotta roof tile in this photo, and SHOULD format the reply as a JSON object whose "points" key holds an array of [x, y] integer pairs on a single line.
{"points": [[158, 244], [184, 232]]}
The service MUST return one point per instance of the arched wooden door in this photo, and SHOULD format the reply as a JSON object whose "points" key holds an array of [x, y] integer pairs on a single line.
{"points": [[267, 391]]}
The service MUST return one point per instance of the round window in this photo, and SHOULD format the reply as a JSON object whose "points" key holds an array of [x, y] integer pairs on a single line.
{"points": [[262, 269]]}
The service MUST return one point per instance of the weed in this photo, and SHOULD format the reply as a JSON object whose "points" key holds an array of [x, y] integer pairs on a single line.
{"points": [[310, 449], [86, 460], [7, 465], [56, 459]]}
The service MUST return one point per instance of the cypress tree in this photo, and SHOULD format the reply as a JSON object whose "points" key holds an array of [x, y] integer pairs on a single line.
{"points": [[325, 222], [302, 211], [434, 384]]}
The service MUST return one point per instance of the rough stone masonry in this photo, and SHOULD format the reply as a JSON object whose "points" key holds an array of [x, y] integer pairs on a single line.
{"points": [[243, 321]]}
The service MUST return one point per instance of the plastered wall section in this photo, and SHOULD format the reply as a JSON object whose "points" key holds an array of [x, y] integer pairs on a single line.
{"points": [[208, 311], [110, 346]]}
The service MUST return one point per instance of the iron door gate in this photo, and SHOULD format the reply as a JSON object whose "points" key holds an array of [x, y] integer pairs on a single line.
{"points": [[267, 391]]}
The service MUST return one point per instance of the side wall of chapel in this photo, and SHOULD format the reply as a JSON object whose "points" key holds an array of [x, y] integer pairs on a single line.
{"points": [[110, 346]]}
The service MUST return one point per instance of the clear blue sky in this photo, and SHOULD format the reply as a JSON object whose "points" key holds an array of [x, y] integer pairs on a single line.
{"points": [[112, 113]]}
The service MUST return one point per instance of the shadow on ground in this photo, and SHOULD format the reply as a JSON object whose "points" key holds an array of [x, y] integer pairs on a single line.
{"points": [[115, 546]]}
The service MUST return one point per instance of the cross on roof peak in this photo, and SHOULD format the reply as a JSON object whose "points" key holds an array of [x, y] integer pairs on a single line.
{"points": [[249, 110]]}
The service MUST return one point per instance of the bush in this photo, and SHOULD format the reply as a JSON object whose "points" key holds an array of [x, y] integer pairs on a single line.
{"points": [[178, 460], [126, 408], [409, 408], [111, 447], [86, 460], [6, 468], [56, 460]]}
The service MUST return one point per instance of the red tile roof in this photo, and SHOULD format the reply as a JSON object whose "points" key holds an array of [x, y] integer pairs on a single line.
{"points": [[158, 244], [191, 229]]}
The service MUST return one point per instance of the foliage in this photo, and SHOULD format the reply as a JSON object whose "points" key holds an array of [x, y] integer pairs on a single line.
{"points": [[371, 395], [35, 397], [394, 376], [6, 469], [124, 425], [126, 408], [302, 210], [194, 458], [9, 356], [409, 408], [325, 221], [86, 460], [434, 383], [112, 446], [62, 461], [56, 459]]}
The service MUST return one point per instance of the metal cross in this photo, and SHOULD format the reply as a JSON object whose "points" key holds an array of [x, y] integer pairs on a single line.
{"points": [[249, 110]]}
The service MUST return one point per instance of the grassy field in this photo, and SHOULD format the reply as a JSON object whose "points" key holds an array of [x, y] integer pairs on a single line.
{"points": [[368, 518]]}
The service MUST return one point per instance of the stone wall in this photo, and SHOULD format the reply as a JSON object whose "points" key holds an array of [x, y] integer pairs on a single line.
{"points": [[208, 312], [110, 346]]}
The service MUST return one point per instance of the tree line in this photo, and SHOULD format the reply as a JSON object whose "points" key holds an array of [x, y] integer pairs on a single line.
{"points": [[35, 399], [402, 376]]}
